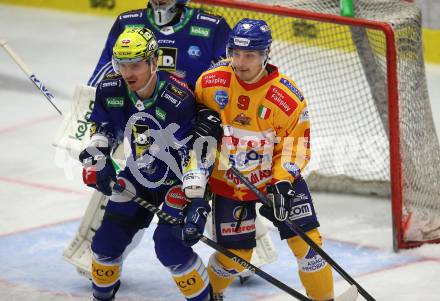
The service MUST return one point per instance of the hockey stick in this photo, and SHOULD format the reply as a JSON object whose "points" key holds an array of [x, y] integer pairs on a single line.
{"points": [[294, 227], [174, 221], [29, 74]]}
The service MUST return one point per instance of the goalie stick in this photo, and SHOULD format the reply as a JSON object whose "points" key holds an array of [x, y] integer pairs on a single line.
{"points": [[29, 74], [349, 295], [294, 227]]}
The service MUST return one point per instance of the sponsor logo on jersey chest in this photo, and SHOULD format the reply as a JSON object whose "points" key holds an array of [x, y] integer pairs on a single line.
{"points": [[194, 52], [167, 58], [114, 102], [170, 98], [176, 92], [281, 100], [216, 79], [160, 114], [200, 31]]}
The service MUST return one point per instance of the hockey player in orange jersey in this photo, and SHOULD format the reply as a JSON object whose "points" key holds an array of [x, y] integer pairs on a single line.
{"points": [[266, 135]]}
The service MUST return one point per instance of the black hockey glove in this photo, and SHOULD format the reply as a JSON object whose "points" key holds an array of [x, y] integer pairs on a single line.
{"points": [[280, 197], [207, 124], [98, 169], [195, 221]]}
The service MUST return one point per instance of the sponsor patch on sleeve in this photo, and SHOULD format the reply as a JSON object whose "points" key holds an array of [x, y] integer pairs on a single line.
{"points": [[179, 93], [292, 88], [179, 81], [209, 18], [175, 198], [304, 116]]}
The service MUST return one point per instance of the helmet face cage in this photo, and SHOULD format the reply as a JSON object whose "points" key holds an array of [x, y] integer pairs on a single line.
{"points": [[134, 45], [163, 14]]}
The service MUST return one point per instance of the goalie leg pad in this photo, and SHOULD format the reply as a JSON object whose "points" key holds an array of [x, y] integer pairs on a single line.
{"points": [[315, 273], [106, 272], [222, 270]]}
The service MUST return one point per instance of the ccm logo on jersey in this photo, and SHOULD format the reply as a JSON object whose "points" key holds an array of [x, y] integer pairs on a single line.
{"points": [[216, 79], [282, 100]]}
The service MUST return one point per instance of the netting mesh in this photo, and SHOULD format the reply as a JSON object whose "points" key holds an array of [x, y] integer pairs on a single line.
{"points": [[342, 70]]}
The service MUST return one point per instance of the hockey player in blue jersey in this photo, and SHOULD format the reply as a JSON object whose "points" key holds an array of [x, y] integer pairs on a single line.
{"points": [[156, 113], [189, 39]]}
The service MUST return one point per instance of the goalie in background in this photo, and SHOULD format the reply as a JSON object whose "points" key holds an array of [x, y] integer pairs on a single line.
{"points": [[155, 112], [189, 39], [185, 54], [266, 130]]}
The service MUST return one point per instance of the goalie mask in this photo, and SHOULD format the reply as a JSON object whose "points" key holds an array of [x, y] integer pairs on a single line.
{"points": [[165, 10]]}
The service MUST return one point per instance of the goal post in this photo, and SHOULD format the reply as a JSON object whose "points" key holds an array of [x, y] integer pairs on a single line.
{"points": [[364, 78]]}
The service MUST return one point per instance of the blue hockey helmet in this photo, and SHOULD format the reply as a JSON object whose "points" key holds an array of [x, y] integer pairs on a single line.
{"points": [[250, 34]]}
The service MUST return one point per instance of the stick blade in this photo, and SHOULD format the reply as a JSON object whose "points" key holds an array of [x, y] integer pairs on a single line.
{"points": [[349, 295]]}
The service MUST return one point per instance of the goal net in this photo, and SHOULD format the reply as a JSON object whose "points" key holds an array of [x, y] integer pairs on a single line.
{"points": [[364, 78]]}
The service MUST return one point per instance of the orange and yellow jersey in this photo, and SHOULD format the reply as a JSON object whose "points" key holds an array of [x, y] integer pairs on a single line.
{"points": [[266, 129]]}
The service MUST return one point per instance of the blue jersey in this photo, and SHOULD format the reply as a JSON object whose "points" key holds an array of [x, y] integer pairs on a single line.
{"points": [[187, 48], [163, 120]]}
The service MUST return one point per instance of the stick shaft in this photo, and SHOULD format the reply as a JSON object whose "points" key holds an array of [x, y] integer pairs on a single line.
{"points": [[29, 74], [244, 263], [294, 227]]}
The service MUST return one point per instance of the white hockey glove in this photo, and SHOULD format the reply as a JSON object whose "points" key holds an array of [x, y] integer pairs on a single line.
{"points": [[196, 164], [194, 181]]}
